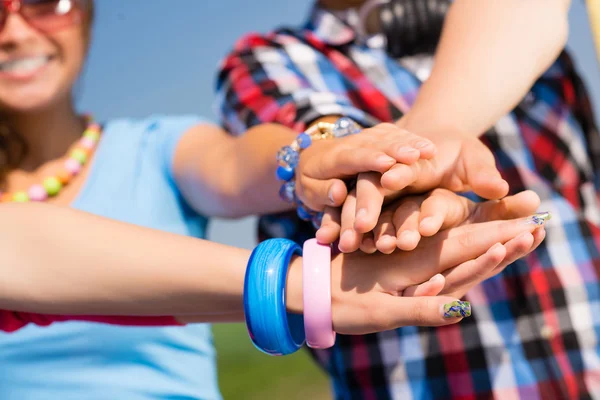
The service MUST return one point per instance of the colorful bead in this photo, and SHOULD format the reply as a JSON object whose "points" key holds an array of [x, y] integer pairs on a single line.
{"points": [[37, 193], [303, 213], [64, 176], [344, 127], [304, 140], [52, 186], [79, 155], [288, 157], [287, 192], [284, 173], [92, 132], [317, 220], [73, 166], [87, 143], [6, 197], [20, 197]]}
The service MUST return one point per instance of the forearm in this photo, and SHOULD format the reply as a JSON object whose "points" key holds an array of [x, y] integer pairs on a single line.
{"points": [[96, 266], [490, 54], [223, 176]]}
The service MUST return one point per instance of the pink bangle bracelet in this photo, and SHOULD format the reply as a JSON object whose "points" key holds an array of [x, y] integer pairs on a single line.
{"points": [[316, 288]]}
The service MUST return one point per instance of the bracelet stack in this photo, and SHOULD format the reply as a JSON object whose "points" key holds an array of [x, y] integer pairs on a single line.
{"points": [[272, 329], [289, 156]]}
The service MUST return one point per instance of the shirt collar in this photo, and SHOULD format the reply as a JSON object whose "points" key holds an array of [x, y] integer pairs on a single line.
{"points": [[333, 28]]}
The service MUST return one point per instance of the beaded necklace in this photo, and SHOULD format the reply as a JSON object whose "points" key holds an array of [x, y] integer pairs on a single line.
{"points": [[52, 185]]}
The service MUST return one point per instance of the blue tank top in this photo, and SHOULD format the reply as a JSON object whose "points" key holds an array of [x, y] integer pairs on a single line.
{"points": [[130, 180]]}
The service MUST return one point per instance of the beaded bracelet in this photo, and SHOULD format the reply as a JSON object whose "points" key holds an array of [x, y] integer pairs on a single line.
{"points": [[289, 156], [271, 328]]}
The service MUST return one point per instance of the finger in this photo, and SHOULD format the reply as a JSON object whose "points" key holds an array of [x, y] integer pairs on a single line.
{"points": [[369, 200], [367, 244], [384, 234], [443, 209], [481, 173], [395, 312], [330, 228], [519, 248], [457, 245], [518, 206], [402, 137], [318, 194], [461, 278], [401, 153], [400, 176], [406, 221], [348, 160], [432, 287], [349, 239]]}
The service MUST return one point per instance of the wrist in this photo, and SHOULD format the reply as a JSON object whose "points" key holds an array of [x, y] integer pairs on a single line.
{"points": [[293, 292], [432, 127]]}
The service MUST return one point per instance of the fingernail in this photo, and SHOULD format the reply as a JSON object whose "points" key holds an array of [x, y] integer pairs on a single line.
{"points": [[361, 213], [385, 160], [346, 235], [408, 236], [422, 144], [538, 219], [406, 149], [425, 222], [457, 309], [330, 196]]}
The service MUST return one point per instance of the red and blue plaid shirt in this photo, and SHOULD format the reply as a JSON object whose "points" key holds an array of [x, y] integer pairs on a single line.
{"points": [[535, 328]]}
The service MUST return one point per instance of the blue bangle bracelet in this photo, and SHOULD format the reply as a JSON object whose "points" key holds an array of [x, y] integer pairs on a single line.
{"points": [[271, 328]]}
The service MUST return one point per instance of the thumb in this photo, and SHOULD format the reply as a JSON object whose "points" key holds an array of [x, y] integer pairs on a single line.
{"points": [[481, 173], [424, 311]]}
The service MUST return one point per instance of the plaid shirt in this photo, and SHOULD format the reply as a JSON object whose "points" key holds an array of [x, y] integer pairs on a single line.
{"points": [[535, 327]]}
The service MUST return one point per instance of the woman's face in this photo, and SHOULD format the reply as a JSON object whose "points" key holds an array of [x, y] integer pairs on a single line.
{"points": [[39, 64]]}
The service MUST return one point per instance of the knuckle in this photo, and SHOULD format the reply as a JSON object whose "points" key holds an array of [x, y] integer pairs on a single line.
{"points": [[418, 312]]}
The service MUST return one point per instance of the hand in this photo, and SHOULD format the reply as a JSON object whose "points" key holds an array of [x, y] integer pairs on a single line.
{"points": [[403, 223], [461, 164], [324, 165], [372, 293]]}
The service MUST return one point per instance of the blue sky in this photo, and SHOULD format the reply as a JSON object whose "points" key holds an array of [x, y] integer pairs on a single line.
{"points": [[160, 56]]}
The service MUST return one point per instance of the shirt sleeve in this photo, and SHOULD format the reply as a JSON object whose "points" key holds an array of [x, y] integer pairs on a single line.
{"points": [[280, 79]]}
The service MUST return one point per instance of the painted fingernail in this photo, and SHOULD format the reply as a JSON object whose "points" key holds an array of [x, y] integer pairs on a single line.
{"points": [[457, 309], [422, 144], [538, 219]]}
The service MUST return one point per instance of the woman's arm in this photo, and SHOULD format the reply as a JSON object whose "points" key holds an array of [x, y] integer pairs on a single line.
{"points": [[226, 176], [75, 263], [59, 260], [490, 54]]}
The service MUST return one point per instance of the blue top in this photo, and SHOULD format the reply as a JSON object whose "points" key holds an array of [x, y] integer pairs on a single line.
{"points": [[130, 180]]}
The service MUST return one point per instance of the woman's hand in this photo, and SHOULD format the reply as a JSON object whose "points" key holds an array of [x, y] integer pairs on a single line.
{"points": [[372, 293], [326, 163]]}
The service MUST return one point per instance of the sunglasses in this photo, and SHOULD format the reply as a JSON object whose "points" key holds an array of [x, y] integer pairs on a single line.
{"points": [[44, 15]]}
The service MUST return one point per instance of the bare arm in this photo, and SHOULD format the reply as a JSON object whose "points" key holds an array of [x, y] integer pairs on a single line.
{"points": [[490, 54], [225, 176], [93, 265]]}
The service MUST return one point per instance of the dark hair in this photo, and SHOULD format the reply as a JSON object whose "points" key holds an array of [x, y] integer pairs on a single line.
{"points": [[13, 146]]}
